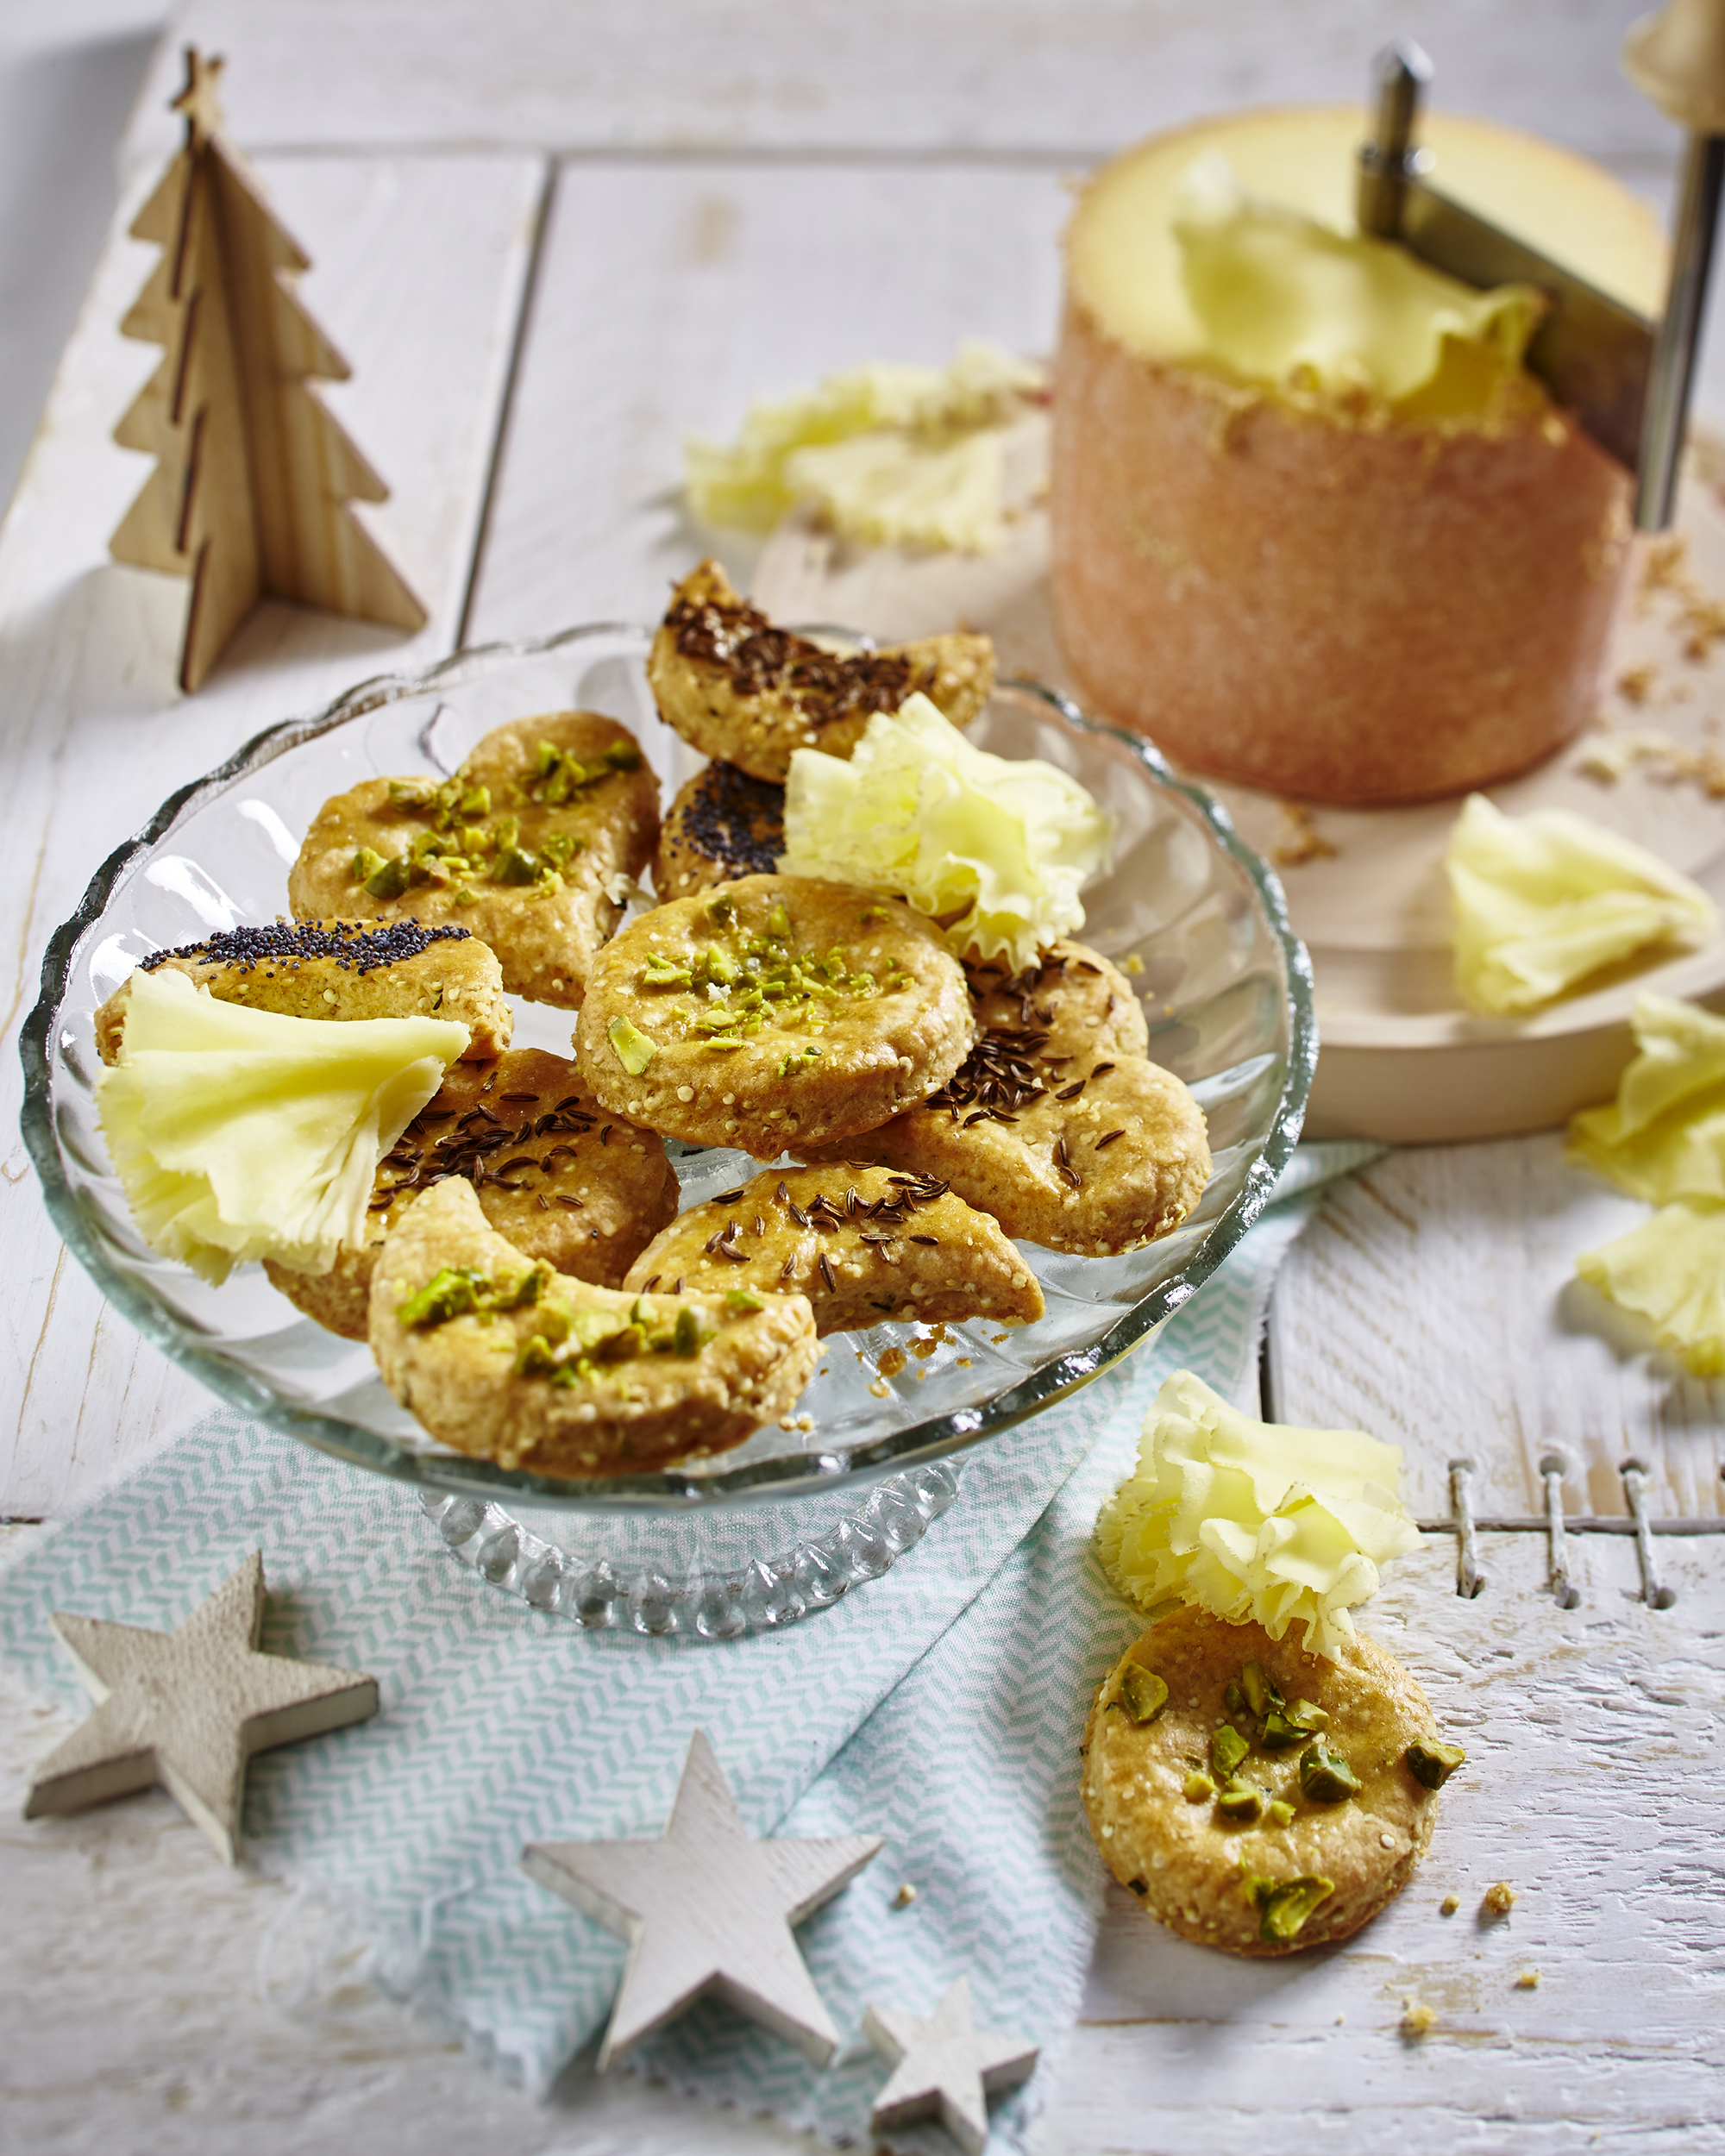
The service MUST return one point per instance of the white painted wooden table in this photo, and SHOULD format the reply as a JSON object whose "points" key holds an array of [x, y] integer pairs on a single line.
{"points": [[553, 239]]}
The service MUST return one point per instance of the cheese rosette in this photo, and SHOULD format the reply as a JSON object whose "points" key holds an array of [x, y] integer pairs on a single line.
{"points": [[1670, 1271], [1286, 301], [996, 850], [1543, 901], [1253, 1521], [1663, 1138], [893, 454], [240, 1134]]}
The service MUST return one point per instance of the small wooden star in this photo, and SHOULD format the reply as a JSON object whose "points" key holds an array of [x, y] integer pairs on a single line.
{"points": [[944, 2066], [706, 1907], [198, 100], [187, 1709]]}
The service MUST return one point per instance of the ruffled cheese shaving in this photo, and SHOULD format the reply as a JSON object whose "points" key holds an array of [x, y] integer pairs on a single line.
{"points": [[997, 851], [901, 456], [1251, 1520], [241, 1134], [1663, 1136], [1290, 303], [1543, 901], [1671, 1270]]}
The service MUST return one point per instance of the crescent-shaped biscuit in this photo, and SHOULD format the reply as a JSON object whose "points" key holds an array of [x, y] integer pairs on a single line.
{"points": [[739, 689], [524, 846], [515, 1362], [863, 1245], [339, 969]]}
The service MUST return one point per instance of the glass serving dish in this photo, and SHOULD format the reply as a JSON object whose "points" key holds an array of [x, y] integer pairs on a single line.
{"points": [[788, 1520]]}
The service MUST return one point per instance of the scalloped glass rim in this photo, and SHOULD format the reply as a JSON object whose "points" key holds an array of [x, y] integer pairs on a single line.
{"points": [[670, 1490]]}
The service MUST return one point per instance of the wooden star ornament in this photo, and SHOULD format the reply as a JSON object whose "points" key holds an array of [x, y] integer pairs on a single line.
{"points": [[187, 1709], [944, 2067], [706, 1909]]}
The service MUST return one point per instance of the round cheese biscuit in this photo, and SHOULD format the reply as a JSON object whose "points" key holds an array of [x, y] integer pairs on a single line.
{"points": [[1239, 1831], [524, 846], [1057, 1123], [735, 687], [775, 1010]]}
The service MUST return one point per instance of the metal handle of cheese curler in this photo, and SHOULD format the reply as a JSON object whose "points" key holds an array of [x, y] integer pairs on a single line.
{"points": [[1677, 58]]}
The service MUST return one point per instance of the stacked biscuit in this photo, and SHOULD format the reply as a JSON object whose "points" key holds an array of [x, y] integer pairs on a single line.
{"points": [[524, 1280]]}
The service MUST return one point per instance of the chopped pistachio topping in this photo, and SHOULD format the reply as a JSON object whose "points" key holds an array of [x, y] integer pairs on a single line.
{"points": [[1286, 1726], [1431, 1761], [560, 775], [743, 1299], [1325, 1777], [451, 854], [1227, 1749], [1198, 1787], [634, 1050], [1283, 1909], [569, 1347], [1279, 1811], [1234, 1699], [1143, 1694], [1241, 1802], [1261, 1690], [458, 1291]]}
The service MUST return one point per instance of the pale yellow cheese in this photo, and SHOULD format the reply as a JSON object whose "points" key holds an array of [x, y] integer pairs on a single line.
{"points": [[1663, 1136], [240, 1134], [1541, 902], [891, 455], [1671, 1270], [1286, 301], [1251, 1520], [997, 848]]}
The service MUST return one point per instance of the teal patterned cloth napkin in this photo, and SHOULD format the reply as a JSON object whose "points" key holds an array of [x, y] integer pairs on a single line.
{"points": [[939, 1706]]}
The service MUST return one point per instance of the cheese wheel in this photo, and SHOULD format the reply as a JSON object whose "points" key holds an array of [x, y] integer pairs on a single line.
{"points": [[1331, 602]]}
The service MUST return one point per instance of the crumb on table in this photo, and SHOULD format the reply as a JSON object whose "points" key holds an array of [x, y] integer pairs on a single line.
{"points": [[1417, 2017], [1529, 1980], [1449, 1905], [1500, 1899]]}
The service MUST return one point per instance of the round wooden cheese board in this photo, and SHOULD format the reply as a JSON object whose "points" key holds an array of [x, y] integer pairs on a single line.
{"points": [[1402, 1060]]}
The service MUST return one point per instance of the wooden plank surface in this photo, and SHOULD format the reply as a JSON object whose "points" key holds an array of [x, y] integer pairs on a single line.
{"points": [[419, 265], [1012, 78], [670, 295], [1433, 1302], [153, 2000]]}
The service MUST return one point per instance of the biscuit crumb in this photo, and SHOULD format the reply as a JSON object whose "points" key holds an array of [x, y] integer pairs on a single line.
{"points": [[1304, 841], [881, 1391], [1529, 1980], [1449, 1905], [1417, 2017], [1500, 1899], [1132, 964], [905, 1895]]}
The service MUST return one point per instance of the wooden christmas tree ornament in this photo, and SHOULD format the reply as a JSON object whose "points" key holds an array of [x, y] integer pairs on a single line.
{"points": [[706, 1909], [187, 1709], [944, 2067], [252, 476]]}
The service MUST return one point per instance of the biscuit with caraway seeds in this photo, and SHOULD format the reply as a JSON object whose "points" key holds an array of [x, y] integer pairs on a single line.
{"points": [[563, 1181], [863, 1245], [1194, 1869], [518, 1363], [737, 687], [1057, 1123]]}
